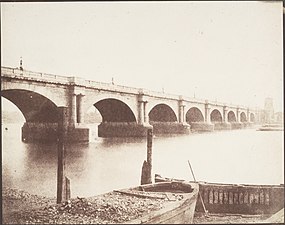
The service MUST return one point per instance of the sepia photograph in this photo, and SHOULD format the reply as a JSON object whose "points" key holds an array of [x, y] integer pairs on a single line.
{"points": [[133, 112]]}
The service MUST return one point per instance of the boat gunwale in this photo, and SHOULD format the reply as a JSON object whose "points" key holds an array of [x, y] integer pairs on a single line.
{"points": [[170, 206], [220, 184]]}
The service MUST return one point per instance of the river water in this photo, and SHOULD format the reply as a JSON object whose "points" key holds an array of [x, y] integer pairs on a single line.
{"points": [[242, 156]]}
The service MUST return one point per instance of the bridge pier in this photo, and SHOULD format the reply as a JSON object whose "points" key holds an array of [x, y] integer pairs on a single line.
{"points": [[170, 128], [222, 126], [236, 125], [47, 132], [201, 127], [123, 129], [249, 125]]}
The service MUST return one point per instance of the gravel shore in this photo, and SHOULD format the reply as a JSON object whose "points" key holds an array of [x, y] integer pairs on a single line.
{"points": [[20, 207]]}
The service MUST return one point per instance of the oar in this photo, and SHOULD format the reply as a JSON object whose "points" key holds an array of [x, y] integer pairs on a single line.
{"points": [[206, 211]]}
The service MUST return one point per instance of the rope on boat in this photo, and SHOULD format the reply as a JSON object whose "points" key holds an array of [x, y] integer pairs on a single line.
{"points": [[205, 210]]}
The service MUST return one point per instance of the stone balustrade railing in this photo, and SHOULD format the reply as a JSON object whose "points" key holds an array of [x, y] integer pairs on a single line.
{"points": [[71, 80]]}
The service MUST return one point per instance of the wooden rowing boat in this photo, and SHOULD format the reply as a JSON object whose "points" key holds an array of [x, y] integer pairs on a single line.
{"points": [[237, 198], [178, 205]]}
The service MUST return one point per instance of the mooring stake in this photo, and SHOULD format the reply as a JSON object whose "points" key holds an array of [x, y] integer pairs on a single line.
{"points": [[63, 183], [147, 165]]}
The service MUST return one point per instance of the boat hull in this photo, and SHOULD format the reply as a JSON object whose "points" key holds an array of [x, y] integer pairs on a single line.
{"points": [[174, 212], [238, 198], [241, 199]]}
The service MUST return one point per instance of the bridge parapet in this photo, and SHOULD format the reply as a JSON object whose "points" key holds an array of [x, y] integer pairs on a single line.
{"points": [[111, 87], [158, 94], [193, 100], [25, 74], [77, 81], [216, 103], [71, 80]]}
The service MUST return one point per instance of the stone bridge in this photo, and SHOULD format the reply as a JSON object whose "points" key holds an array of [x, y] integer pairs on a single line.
{"points": [[125, 111]]}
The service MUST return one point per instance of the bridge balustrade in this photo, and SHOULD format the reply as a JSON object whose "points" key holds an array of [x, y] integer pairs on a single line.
{"points": [[36, 75], [194, 100], [111, 87], [160, 94], [107, 86]]}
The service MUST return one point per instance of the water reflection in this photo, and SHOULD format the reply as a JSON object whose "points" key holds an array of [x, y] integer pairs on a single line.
{"points": [[239, 156]]}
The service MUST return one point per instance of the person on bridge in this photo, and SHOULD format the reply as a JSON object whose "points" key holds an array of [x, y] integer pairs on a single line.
{"points": [[21, 64]]}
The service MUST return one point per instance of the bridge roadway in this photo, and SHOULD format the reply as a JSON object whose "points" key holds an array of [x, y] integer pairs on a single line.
{"points": [[125, 111]]}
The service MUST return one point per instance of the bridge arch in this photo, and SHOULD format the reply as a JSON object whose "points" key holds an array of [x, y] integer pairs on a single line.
{"points": [[216, 116], [194, 115], [90, 99], [92, 115], [231, 117], [242, 117], [114, 110], [162, 113], [57, 94], [251, 117], [34, 106]]}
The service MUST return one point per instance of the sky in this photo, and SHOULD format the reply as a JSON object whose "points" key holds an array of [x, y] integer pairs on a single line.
{"points": [[231, 51]]}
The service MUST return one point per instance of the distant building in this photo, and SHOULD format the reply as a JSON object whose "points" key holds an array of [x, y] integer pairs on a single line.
{"points": [[267, 115], [279, 117], [269, 110]]}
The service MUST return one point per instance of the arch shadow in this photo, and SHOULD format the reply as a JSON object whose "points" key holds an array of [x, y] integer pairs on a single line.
{"points": [[231, 117], [194, 115], [162, 113], [113, 110], [243, 117], [34, 107], [216, 116]]}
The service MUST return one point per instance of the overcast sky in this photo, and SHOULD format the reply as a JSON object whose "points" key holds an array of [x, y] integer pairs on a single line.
{"points": [[226, 51]]}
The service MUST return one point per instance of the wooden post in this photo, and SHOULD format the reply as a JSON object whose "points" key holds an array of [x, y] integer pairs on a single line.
{"points": [[62, 133], [149, 150], [67, 189], [147, 165]]}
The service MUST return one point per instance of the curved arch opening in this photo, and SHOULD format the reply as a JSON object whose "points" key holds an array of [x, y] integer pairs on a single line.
{"points": [[243, 117], [162, 113], [92, 116], [10, 112], [113, 110], [194, 115], [34, 107], [231, 117], [252, 118], [216, 116]]}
